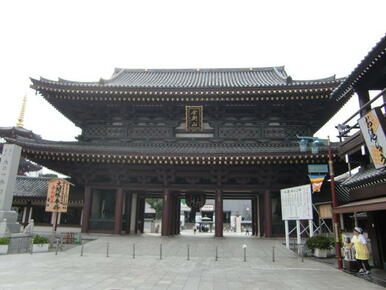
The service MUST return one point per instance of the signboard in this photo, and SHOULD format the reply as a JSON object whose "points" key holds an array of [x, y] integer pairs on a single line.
{"points": [[57, 196], [373, 126], [9, 164], [317, 168], [296, 203], [194, 118]]}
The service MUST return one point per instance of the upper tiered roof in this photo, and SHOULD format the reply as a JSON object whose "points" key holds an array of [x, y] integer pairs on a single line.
{"points": [[193, 79], [196, 78]]}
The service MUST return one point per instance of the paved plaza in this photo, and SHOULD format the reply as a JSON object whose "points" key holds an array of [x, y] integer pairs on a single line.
{"points": [[94, 270]]}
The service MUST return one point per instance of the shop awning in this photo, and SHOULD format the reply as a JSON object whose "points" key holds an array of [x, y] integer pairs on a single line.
{"points": [[363, 205]]}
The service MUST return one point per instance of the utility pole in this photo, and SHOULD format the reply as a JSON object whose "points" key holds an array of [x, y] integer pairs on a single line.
{"points": [[335, 217]]}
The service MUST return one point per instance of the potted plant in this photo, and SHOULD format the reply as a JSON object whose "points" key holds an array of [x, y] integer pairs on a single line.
{"points": [[319, 245], [40, 244], [4, 242]]}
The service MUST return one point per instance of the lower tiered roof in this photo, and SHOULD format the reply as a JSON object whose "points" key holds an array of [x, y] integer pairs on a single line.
{"points": [[168, 153]]}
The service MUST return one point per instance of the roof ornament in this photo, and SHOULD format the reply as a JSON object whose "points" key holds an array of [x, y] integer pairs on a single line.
{"points": [[20, 120], [289, 80]]}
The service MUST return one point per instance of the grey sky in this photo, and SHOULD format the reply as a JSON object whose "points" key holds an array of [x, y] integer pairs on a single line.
{"points": [[86, 40]]}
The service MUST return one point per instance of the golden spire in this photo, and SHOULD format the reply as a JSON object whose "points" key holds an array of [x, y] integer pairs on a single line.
{"points": [[20, 120]]}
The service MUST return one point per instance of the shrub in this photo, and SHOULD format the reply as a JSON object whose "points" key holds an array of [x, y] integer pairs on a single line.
{"points": [[319, 242], [4, 241], [40, 240]]}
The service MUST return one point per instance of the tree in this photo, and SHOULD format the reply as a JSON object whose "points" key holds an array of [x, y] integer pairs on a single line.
{"points": [[157, 205]]}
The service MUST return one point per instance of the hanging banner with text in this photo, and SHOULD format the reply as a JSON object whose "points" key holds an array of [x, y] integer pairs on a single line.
{"points": [[373, 126], [296, 203], [57, 195]]}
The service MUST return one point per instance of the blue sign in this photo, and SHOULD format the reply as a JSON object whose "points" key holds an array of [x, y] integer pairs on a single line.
{"points": [[317, 168]]}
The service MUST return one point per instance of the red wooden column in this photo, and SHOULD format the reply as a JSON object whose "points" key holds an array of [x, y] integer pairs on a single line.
{"points": [[254, 216], [166, 213], [118, 211], [218, 214], [172, 215], [178, 214], [267, 214], [86, 209], [140, 214], [261, 216]]}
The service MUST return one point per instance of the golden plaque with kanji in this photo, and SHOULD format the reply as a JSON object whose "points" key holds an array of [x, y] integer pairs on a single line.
{"points": [[194, 118]]}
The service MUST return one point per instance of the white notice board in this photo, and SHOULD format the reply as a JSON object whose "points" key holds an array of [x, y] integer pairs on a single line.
{"points": [[296, 203]]}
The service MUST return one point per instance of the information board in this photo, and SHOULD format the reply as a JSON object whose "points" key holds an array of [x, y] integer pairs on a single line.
{"points": [[296, 203]]}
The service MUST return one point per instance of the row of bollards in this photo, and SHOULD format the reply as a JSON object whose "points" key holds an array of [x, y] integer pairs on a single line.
{"points": [[244, 247]]}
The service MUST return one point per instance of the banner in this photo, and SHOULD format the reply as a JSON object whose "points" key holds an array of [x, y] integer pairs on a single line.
{"points": [[57, 195], [194, 118], [373, 126], [316, 182]]}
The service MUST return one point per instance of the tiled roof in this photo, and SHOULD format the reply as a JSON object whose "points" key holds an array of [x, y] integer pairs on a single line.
{"points": [[376, 57], [365, 177], [196, 78], [31, 186], [342, 193], [191, 148]]}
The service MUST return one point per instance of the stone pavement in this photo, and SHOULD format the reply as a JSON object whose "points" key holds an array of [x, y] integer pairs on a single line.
{"points": [[69, 270]]}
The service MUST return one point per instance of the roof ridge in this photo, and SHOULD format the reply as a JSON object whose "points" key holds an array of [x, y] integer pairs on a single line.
{"points": [[220, 69]]}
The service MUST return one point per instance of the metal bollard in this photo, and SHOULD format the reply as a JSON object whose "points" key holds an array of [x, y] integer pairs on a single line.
{"points": [[216, 259], [56, 247], [32, 243], [107, 250], [188, 253], [160, 251], [245, 252], [133, 251], [82, 248], [303, 254], [273, 254]]}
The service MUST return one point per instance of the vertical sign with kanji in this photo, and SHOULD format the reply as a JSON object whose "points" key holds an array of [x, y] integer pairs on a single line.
{"points": [[194, 118], [9, 164], [57, 195]]}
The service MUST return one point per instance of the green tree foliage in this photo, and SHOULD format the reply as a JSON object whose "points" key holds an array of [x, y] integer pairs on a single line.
{"points": [[157, 205]]}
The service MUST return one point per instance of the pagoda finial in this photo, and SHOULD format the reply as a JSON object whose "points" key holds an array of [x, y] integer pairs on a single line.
{"points": [[20, 120]]}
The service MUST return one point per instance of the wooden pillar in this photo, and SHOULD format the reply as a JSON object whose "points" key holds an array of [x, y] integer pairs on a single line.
{"points": [[133, 213], [140, 215], [118, 211], [254, 216], [172, 215], [178, 216], [137, 214], [363, 98], [261, 216], [27, 214], [86, 209], [267, 214], [128, 211], [166, 214], [218, 214]]}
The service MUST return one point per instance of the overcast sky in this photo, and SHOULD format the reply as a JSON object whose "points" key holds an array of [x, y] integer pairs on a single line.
{"points": [[86, 40]]}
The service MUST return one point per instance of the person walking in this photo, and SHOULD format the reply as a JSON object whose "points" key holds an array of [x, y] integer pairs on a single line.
{"points": [[358, 241]]}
